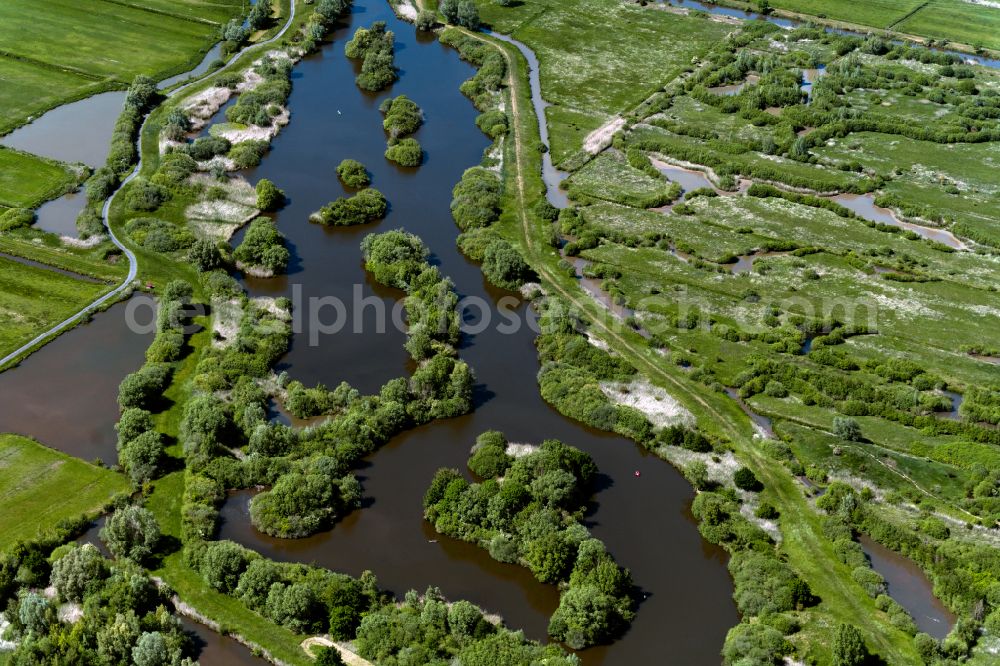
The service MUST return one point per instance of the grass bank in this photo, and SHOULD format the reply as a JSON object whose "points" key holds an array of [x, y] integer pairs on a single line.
{"points": [[40, 487]]}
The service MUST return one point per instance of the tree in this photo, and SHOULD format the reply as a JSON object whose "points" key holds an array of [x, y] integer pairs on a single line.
{"points": [[151, 650], [394, 257], [406, 152], [468, 15], [133, 422], [849, 646], [204, 422], [426, 20], [697, 474], [353, 173], [35, 613], [78, 571], [140, 388], [584, 617], [449, 9], [754, 643], [295, 606], [745, 479], [141, 456], [256, 582], [489, 457], [847, 428], [205, 255], [549, 557], [504, 266], [269, 197], [223, 563], [328, 656], [131, 532], [464, 619]]}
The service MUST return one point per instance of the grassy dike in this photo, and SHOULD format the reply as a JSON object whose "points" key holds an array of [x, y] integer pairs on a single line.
{"points": [[808, 551]]}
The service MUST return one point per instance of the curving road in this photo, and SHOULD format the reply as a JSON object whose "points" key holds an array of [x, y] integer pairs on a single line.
{"points": [[133, 262]]}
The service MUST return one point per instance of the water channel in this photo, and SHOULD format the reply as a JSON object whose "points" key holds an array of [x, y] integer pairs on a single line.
{"points": [[644, 520]]}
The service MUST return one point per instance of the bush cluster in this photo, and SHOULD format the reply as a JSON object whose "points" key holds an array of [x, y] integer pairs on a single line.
{"points": [[263, 248], [366, 206], [374, 46], [531, 518]]}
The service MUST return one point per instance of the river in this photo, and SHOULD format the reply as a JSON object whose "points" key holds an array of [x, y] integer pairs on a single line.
{"points": [[645, 520]]}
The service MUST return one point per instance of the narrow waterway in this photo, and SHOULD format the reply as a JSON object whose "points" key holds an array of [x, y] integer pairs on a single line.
{"points": [[644, 520], [909, 586]]}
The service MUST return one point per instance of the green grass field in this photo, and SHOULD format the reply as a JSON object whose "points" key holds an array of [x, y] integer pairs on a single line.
{"points": [[876, 13], [50, 250], [33, 299], [26, 180], [40, 486], [55, 51], [961, 21], [957, 21], [591, 71]]}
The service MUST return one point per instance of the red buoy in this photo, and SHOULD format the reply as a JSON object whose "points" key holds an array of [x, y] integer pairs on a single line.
{"points": [[637, 473]]}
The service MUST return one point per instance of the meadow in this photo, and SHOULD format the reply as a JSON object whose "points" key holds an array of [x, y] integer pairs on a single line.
{"points": [[33, 299], [27, 180], [589, 71], [957, 21], [40, 487], [111, 44], [961, 21]]}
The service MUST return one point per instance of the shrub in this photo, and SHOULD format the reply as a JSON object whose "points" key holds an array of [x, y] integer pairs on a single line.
{"points": [[248, 154], [269, 197], [402, 117], [131, 532], [353, 173], [366, 206], [847, 428], [745, 479], [263, 247], [145, 196], [406, 152], [142, 387], [476, 199]]}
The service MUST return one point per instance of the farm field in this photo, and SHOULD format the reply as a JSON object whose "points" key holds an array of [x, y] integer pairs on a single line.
{"points": [[40, 487], [26, 180], [109, 47], [33, 299], [875, 13], [972, 23]]}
